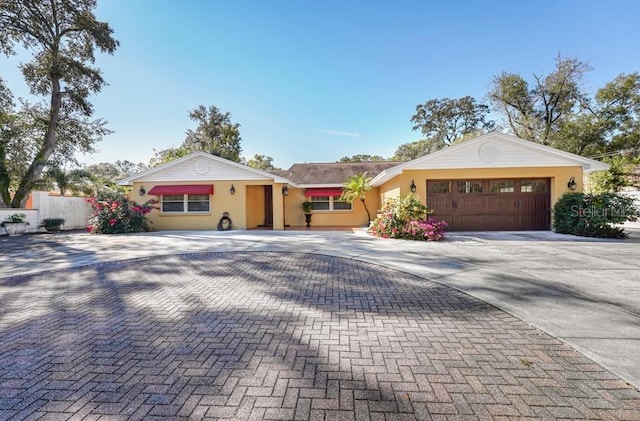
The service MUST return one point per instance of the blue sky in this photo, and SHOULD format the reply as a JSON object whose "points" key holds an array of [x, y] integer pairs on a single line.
{"points": [[315, 81]]}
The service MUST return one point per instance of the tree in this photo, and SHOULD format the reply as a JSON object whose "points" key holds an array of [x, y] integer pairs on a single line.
{"points": [[8, 131], [618, 175], [105, 175], [167, 155], [607, 124], [443, 121], [214, 134], [554, 110], [356, 187], [537, 111], [261, 162], [413, 150], [618, 102], [75, 180], [21, 139], [63, 35], [362, 158], [127, 168]]}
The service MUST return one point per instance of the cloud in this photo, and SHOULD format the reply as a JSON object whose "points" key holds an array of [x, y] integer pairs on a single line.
{"points": [[336, 132]]}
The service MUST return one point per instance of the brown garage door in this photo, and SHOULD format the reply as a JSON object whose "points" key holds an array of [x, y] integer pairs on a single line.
{"points": [[491, 204]]}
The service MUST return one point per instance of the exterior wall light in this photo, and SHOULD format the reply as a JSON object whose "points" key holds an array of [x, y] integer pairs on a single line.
{"points": [[232, 190], [142, 191], [285, 191], [413, 187], [572, 183]]}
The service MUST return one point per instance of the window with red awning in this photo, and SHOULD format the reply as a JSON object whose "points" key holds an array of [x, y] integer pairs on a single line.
{"points": [[324, 191]]}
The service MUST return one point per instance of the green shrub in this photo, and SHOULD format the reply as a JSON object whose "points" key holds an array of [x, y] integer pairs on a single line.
{"points": [[594, 215], [51, 224], [307, 206], [16, 218]]}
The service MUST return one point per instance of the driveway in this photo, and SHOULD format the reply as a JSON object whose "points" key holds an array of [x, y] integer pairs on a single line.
{"points": [[306, 325]]}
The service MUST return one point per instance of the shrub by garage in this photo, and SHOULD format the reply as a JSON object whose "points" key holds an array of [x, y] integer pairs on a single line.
{"points": [[594, 215]]}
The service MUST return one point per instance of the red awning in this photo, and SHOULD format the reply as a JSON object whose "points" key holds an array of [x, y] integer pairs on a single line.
{"points": [[326, 191], [182, 189]]}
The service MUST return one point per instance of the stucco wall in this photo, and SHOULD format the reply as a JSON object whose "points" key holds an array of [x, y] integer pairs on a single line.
{"points": [[355, 217], [255, 206], [245, 207]]}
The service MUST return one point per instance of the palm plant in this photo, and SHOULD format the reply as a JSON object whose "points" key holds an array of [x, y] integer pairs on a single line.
{"points": [[356, 187], [74, 180]]}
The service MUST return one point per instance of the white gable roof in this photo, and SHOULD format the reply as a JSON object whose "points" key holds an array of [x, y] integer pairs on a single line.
{"points": [[199, 166], [493, 150]]}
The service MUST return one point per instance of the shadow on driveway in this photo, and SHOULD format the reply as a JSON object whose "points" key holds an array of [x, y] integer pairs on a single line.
{"points": [[280, 335]]}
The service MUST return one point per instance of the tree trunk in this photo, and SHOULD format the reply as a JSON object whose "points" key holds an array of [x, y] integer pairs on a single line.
{"points": [[4, 179], [366, 209], [35, 169]]}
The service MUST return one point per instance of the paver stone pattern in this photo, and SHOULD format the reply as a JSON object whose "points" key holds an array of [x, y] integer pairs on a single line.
{"points": [[263, 335]]}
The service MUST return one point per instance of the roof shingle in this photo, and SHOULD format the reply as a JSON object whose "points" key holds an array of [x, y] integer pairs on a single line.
{"points": [[333, 172]]}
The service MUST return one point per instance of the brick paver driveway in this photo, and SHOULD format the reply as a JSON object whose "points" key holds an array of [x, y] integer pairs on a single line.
{"points": [[263, 335]]}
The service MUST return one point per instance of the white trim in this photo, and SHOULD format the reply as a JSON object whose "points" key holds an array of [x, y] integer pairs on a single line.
{"points": [[332, 199], [185, 205], [129, 180]]}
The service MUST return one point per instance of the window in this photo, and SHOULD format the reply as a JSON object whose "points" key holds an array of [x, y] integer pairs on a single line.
{"points": [[533, 186], [330, 203], [338, 205], [469, 186], [193, 203], [320, 202], [438, 187], [173, 203], [503, 186], [198, 202]]}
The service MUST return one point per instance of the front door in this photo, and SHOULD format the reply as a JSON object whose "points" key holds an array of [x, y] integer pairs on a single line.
{"points": [[268, 206]]}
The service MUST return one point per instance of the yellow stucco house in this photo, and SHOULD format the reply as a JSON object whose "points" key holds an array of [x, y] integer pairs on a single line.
{"points": [[493, 182]]}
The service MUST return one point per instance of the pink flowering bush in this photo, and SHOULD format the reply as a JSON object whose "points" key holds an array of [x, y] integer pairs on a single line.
{"points": [[116, 215], [407, 218], [429, 230]]}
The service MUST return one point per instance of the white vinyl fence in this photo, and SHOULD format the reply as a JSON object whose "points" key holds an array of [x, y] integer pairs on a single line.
{"points": [[74, 210]]}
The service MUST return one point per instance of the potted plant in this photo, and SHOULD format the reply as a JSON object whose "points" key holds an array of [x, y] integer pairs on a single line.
{"points": [[306, 208], [51, 224], [15, 224]]}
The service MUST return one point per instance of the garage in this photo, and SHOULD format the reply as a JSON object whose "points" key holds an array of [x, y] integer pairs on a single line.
{"points": [[511, 204], [494, 182]]}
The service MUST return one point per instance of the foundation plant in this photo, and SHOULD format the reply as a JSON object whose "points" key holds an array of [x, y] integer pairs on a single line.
{"points": [[407, 218], [594, 215]]}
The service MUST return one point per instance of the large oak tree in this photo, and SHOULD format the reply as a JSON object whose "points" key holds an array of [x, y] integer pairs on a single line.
{"points": [[537, 109], [63, 36], [443, 121], [214, 134], [261, 162]]}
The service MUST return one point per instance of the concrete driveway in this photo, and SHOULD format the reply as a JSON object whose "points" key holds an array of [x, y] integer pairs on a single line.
{"points": [[583, 292]]}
